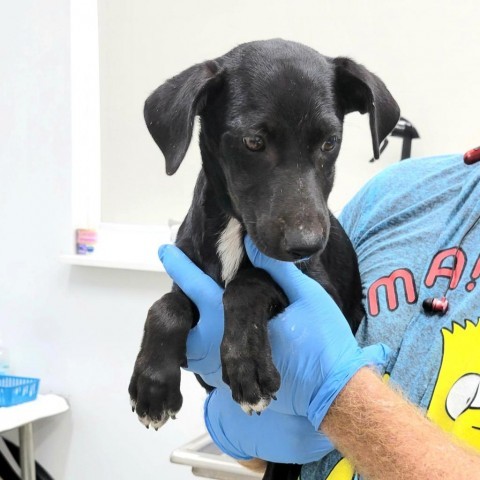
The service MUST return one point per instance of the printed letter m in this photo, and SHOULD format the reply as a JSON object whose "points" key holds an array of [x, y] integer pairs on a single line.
{"points": [[390, 285]]}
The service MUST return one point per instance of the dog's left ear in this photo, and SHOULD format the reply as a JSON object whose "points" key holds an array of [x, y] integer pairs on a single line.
{"points": [[171, 109], [359, 90]]}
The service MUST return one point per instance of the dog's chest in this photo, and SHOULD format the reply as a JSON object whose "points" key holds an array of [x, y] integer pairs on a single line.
{"points": [[230, 249]]}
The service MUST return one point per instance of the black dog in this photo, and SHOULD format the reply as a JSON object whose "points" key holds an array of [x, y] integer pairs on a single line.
{"points": [[271, 126]]}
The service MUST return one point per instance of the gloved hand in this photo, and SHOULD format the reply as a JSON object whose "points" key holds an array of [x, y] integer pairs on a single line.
{"points": [[203, 342], [272, 436], [313, 347]]}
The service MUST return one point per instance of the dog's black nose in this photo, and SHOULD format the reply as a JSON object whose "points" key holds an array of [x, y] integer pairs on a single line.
{"points": [[303, 244], [299, 253]]}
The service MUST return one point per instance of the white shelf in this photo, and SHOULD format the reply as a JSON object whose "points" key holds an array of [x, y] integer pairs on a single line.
{"points": [[126, 247], [44, 406], [95, 261]]}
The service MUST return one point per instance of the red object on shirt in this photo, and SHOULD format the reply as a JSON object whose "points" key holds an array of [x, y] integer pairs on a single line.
{"points": [[472, 156]]}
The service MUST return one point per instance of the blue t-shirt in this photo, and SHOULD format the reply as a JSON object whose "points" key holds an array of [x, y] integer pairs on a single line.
{"points": [[406, 226]]}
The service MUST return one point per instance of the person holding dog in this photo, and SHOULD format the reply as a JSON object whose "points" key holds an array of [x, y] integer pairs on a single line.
{"points": [[402, 398]]}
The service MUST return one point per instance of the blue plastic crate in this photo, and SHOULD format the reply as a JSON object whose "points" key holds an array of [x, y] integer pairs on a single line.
{"points": [[15, 390]]}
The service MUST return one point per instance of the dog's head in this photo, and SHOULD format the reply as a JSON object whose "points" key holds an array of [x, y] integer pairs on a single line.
{"points": [[271, 116]]}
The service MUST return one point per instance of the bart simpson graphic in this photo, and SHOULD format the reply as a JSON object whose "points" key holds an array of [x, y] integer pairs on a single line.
{"points": [[455, 402]]}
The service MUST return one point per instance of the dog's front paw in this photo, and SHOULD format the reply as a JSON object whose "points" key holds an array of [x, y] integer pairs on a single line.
{"points": [[252, 379], [155, 394]]}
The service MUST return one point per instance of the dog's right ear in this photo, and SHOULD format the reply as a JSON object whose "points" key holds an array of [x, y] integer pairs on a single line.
{"points": [[361, 91], [171, 109]]}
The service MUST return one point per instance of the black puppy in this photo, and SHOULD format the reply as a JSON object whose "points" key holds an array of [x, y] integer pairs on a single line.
{"points": [[271, 126]]}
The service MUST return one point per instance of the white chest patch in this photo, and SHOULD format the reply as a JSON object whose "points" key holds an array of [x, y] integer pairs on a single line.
{"points": [[230, 249]]}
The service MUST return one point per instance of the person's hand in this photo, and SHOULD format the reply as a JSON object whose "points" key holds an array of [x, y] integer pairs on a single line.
{"points": [[313, 347], [203, 342], [272, 436]]}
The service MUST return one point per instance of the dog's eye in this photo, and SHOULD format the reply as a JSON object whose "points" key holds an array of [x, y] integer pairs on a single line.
{"points": [[330, 144], [255, 143]]}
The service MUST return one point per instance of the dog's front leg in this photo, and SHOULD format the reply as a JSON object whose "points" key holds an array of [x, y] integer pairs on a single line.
{"points": [[250, 300], [155, 384]]}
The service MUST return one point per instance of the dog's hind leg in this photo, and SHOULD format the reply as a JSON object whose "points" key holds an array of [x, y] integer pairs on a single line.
{"points": [[155, 384], [250, 300]]}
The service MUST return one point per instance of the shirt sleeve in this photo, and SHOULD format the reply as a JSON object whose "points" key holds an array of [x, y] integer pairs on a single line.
{"points": [[355, 214], [397, 186]]}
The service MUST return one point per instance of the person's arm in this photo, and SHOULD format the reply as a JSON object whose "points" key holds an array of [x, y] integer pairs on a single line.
{"points": [[385, 437], [323, 380]]}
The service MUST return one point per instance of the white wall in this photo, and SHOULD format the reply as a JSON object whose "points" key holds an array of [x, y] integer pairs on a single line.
{"points": [[78, 329], [426, 51]]}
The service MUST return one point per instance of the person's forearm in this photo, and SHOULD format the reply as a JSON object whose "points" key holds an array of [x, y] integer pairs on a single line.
{"points": [[387, 438]]}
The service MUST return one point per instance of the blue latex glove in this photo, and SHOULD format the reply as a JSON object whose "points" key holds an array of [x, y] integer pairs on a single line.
{"points": [[203, 342], [271, 436], [313, 347]]}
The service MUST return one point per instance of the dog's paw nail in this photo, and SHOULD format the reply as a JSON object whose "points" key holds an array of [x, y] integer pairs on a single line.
{"points": [[133, 409], [258, 413], [246, 408], [145, 420], [147, 426], [156, 424], [156, 429], [173, 417], [274, 397], [257, 407]]}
